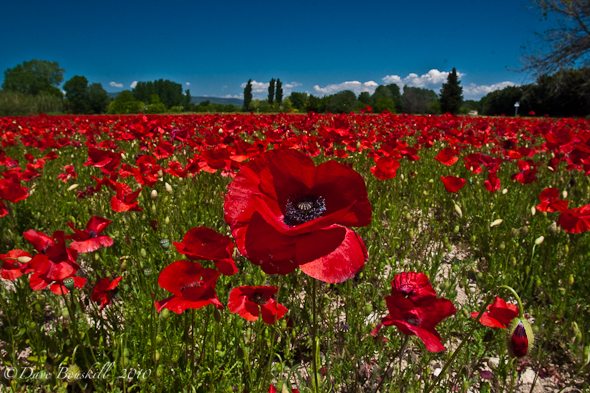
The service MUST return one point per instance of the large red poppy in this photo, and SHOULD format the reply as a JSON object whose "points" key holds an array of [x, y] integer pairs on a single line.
{"points": [[285, 212], [191, 285], [551, 201]]}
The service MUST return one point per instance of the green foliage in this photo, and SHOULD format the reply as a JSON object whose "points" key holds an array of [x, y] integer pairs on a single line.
{"points": [[98, 98], [17, 104], [451, 94], [247, 95], [170, 93], [299, 101], [77, 100], [341, 102], [125, 102], [419, 100], [565, 93], [279, 92], [271, 91], [501, 102], [34, 77], [383, 99]]}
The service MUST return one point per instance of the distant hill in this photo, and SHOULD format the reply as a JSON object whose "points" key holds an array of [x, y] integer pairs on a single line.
{"points": [[198, 99]]}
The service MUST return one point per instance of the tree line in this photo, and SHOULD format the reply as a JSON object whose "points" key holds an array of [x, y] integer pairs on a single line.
{"points": [[34, 87]]}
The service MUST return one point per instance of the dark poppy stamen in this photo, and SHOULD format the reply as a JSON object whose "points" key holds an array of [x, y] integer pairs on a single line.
{"points": [[304, 210]]}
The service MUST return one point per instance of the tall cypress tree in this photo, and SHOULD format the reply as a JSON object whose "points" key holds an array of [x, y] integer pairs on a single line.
{"points": [[451, 94], [248, 95], [271, 91], [279, 92]]}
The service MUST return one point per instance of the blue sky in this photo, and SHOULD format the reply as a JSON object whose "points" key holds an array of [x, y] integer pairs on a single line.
{"points": [[213, 47]]}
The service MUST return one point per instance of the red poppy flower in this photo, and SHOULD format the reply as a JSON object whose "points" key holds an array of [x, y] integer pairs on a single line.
{"points": [[251, 301], [54, 264], [125, 199], [12, 191], [284, 213], [453, 183], [104, 290], [385, 168], [413, 286], [528, 172], [90, 239], [191, 285], [273, 389], [576, 220], [69, 172], [499, 314], [551, 201], [492, 183], [12, 264], [206, 244], [447, 156], [419, 319]]}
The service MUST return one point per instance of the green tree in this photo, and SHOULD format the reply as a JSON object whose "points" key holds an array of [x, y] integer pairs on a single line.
{"points": [[187, 99], [451, 94], [34, 77], [271, 91], [77, 94], [501, 102], [419, 100], [341, 102], [299, 101], [125, 102], [365, 98], [382, 99], [279, 92], [98, 98], [170, 92], [247, 95]]}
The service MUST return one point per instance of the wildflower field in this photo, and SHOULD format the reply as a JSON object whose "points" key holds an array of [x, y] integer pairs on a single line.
{"points": [[310, 253]]}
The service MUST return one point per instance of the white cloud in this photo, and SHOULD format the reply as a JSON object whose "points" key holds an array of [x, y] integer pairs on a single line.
{"points": [[356, 86], [474, 91], [260, 89], [233, 96], [257, 87], [187, 84], [133, 84], [118, 85], [432, 79]]}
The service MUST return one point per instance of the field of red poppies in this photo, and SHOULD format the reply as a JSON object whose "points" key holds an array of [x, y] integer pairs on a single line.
{"points": [[322, 253]]}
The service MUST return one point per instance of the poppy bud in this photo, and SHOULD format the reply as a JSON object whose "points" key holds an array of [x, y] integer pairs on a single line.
{"points": [[504, 191], [520, 337], [154, 195], [458, 210], [73, 187], [533, 210], [23, 259], [539, 240], [497, 222], [168, 188]]}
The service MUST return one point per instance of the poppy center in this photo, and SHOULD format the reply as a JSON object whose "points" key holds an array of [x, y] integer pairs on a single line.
{"points": [[258, 298], [304, 210], [413, 320]]}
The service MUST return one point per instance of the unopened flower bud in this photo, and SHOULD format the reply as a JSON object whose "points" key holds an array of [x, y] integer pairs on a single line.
{"points": [[504, 191], [520, 337], [73, 187], [564, 194], [168, 187], [496, 222], [539, 240], [23, 259], [533, 210], [458, 210], [154, 194]]}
